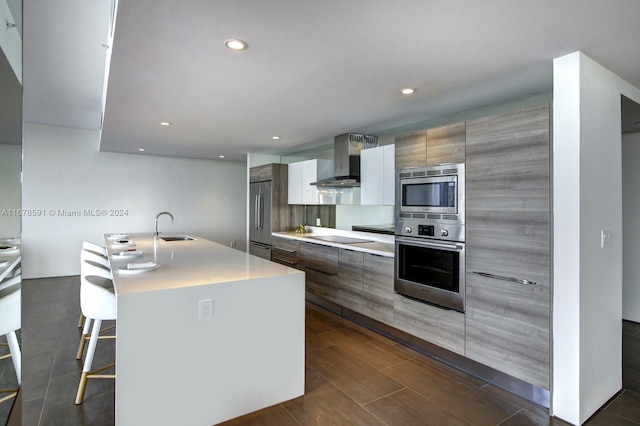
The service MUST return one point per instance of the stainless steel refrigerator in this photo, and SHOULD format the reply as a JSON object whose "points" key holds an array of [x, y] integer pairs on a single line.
{"points": [[260, 219]]}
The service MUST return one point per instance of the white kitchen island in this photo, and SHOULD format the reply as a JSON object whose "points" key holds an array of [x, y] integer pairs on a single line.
{"points": [[174, 368]]}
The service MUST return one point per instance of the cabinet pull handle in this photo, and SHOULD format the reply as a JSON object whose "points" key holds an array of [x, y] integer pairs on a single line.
{"points": [[320, 271], [283, 249], [510, 279], [288, 262]]}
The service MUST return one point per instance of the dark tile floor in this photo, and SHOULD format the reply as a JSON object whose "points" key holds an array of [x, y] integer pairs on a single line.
{"points": [[353, 376]]}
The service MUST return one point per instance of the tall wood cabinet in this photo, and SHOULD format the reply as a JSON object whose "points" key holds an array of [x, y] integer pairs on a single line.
{"points": [[508, 243], [280, 209]]}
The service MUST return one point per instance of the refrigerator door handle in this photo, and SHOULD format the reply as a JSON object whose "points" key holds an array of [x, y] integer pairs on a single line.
{"points": [[256, 216], [261, 210]]}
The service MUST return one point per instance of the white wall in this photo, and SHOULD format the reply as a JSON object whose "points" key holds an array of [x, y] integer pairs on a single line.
{"points": [[587, 197], [10, 165], [631, 226], [63, 170]]}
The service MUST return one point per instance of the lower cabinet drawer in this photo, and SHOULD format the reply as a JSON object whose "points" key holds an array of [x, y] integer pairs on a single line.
{"points": [[285, 252], [323, 285], [441, 327]]}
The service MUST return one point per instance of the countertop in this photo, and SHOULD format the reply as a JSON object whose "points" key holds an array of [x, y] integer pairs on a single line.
{"points": [[381, 244], [187, 264]]}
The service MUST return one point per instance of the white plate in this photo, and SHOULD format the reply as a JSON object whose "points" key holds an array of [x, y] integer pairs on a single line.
{"points": [[123, 270], [126, 255], [7, 248], [12, 240], [117, 236], [4, 263]]}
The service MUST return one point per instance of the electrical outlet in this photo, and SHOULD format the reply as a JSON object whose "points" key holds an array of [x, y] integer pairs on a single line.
{"points": [[205, 309], [233, 244], [605, 238]]}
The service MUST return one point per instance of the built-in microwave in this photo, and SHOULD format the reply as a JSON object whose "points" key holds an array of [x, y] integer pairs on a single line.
{"points": [[435, 193]]}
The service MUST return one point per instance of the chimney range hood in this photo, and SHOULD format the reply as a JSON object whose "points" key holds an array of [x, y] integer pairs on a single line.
{"points": [[346, 158]]}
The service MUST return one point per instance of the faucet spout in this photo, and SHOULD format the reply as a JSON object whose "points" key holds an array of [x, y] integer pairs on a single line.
{"points": [[156, 233]]}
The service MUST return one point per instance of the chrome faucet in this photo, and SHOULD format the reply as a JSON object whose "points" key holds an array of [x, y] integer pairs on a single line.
{"points": [[157, 216]]}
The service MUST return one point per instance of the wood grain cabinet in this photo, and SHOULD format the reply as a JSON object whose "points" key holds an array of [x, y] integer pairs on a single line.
{"points": [[508, 243], [350, 275], [446, 144], [411, 150], [285, 251], [430, 147], [320, 264], [442, 327], [378, 287]]}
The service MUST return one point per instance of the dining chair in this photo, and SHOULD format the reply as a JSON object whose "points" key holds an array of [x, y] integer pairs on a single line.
{"points": [[10, 299], [98, 302], [97, 268], [102, 258]]}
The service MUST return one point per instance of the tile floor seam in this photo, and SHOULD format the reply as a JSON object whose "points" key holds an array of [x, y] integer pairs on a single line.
{"points": [[291, 414], [363, 405], [511, 416]]}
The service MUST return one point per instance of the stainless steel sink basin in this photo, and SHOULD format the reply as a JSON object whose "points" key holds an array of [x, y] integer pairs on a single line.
{"points": [[177, 238]]}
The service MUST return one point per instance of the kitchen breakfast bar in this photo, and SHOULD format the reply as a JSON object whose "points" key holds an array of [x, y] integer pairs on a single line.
{"points": [[211, 334]]}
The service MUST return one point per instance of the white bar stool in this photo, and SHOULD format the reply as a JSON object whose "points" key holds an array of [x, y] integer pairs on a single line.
{"points": [[99, 304], [98, 269], [102, 259], [10, 300]]}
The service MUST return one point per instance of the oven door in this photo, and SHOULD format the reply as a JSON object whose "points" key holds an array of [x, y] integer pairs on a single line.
{"points": [[432, 271]]}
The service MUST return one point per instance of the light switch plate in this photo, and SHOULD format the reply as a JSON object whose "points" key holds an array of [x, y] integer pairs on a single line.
{"points": [[605, 238], [205, 309]]}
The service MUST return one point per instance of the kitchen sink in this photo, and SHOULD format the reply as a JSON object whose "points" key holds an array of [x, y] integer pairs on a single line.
{"points": [[178, 238]]}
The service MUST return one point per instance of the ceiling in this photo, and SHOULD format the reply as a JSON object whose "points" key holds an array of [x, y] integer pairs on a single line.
{"points": [[313, 69]]}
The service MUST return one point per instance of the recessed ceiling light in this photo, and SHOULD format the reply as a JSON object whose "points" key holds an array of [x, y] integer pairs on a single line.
{"points": [[275, 138], [408, 91], [165, 123], [236, 44], [141, 149], [220, 156]]}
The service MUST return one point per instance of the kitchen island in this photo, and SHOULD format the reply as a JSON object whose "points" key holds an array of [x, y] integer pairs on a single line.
{"points": [[212, 334]]}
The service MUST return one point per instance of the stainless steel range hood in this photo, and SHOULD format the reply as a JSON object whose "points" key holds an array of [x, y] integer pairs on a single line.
{"points": [[346, 158]]}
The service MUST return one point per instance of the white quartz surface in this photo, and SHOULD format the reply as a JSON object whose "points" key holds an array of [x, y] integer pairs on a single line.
{"points": [[187, 264], [382, 245]]}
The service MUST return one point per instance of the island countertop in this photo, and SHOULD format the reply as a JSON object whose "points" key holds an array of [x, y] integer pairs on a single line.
{"points": [[186, 264], [212, 334]]}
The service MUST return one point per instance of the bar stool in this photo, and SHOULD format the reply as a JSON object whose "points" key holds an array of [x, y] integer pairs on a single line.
{"points": [[10, 299], [98, 269], [97, 303], [101, 259]]}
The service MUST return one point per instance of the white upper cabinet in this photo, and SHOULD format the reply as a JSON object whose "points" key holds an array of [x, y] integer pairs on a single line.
{"points": [[377, 176], [302, 174]]}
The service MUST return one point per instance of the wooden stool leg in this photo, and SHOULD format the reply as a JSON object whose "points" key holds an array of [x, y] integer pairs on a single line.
{"points": [[80, 320]]}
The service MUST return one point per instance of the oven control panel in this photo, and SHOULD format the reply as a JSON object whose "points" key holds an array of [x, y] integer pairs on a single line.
{"points": [[439, 231]]}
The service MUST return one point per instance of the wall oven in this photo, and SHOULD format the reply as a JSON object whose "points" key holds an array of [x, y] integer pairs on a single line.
{"points": [[431, 271], [430, 235]]}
